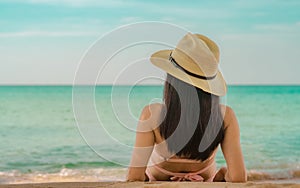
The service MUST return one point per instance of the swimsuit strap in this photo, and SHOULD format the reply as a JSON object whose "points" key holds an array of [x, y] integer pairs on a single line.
{"points": [[185, 160]]}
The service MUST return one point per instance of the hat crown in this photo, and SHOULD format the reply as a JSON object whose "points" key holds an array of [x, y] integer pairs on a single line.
{"points": [[197, 54], [194, 61]]}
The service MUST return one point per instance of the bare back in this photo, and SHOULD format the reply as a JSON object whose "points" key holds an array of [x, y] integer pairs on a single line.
{"points": [[150, 137]]}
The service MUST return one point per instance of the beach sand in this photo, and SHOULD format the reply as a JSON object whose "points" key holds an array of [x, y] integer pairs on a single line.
{"points": [[293, 184]]}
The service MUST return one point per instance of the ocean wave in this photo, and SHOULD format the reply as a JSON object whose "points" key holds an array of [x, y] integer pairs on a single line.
{"points": [[116, 174], [254, 175], [65, 175]]}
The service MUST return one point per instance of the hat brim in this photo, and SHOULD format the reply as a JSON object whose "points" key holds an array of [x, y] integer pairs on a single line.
{"points": [[216, 86]]}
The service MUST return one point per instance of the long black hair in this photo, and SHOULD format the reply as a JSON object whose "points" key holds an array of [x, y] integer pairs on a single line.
{"points": [[191, 110]]}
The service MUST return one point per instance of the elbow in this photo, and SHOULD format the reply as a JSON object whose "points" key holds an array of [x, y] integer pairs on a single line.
{"points": [[131, 179], [239, 178], [135, 177], [134, 180]]}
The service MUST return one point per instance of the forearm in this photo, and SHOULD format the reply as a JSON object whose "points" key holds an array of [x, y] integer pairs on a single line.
{"points": [[136, 174], [236, 177], [224, 175]]}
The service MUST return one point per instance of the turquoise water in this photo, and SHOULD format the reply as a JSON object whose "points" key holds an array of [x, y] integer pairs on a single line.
{"points": [[39, 134]]}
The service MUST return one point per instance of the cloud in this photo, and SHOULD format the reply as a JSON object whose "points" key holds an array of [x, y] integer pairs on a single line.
{"points": [[76, 3], [287, 28], [46, 34], [259, 3], [130, 19]]}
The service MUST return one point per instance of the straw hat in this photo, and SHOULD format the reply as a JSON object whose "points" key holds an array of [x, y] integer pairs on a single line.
{"points": [[195, 61]]}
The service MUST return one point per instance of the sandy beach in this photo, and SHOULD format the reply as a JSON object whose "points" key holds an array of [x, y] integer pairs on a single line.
{"points": [[255, 179], [292, 184]]}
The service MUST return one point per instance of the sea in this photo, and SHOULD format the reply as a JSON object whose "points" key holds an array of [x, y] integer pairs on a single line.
{"points": [[86, 133]]}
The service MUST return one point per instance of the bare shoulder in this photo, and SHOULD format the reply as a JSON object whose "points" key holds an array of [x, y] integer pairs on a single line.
{"points": [[150, 110], [150, 117], [226, 110], [228, 114]]}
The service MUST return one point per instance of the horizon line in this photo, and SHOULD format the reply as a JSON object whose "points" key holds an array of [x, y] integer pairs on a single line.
{"points": [[62, 85]]}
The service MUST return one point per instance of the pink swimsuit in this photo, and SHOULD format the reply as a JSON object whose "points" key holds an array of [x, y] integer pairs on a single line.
{"points": [[178, 176]]}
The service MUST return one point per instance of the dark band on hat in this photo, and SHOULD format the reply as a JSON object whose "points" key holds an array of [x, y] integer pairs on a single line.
{"points": [[188, 72]]}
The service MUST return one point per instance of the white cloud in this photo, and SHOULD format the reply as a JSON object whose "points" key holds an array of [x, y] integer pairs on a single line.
{"points": [[259, 58], [130, 19], [259, 3], [46, 34], [287, 28], [75, 3]]}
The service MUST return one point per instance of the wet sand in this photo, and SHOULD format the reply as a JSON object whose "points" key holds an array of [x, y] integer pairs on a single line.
{"points": [[268, 184]]}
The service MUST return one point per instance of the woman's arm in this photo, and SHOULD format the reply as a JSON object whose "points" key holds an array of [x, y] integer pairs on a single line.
{"points": [[231, 148], [143, 147]]}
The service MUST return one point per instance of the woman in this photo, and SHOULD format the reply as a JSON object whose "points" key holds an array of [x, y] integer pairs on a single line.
{"points": [[178, 140]]}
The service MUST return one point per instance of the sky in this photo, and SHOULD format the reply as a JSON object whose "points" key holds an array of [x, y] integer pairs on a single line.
{"points": [[43, 41]]}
